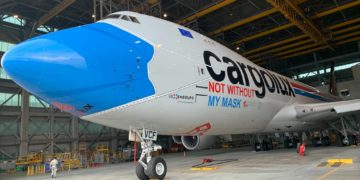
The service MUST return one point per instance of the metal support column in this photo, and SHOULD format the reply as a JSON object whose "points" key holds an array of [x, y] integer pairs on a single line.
{"points": [[346, 139], [51, 130], [75, 134], [24, 124], [94, 10], [101, 8], [114, 141], [317, 67]]}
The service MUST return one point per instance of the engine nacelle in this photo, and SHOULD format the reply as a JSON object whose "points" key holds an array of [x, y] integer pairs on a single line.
{"points": [[197, 142], [177, 139]]}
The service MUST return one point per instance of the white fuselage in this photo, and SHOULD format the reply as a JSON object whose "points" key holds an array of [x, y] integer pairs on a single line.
{"points": [[187, 97]]}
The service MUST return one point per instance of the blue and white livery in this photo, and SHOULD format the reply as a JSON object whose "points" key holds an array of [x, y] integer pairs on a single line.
{"points": [[140, 72]]}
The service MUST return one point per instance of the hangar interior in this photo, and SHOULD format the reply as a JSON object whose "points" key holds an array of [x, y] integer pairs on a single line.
{"points": [[297, 38]]}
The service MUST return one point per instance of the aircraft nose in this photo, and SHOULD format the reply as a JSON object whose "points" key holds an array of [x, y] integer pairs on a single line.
{"points": [[83, 70], [34, 62]]}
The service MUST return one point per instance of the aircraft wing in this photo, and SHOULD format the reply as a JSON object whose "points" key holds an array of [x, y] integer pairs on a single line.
{"points": [[325, 111]]}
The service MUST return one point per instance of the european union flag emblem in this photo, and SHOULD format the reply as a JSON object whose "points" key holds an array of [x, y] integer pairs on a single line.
{"points": [[186, 33]]}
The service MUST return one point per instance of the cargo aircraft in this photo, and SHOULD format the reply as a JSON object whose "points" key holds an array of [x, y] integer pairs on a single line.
{"points": [[153, 77]]}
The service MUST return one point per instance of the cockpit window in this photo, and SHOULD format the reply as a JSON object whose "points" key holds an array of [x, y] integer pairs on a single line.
{"points": [[126, 18], [134, 19], [123, 17], [113, 16]]}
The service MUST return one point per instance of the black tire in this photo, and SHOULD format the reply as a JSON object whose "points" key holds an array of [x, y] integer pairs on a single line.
{"points": [[152, 165], [140, 172]]}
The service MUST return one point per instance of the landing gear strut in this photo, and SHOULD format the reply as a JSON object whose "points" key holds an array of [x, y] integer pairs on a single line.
{"points": [[344, 131], [148, 167], [346, 139]]}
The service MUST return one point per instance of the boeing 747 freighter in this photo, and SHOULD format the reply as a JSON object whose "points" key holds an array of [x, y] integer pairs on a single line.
{"points": [[150, 76]]}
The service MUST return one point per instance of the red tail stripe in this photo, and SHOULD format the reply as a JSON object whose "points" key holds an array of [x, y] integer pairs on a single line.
{"points": [[302, 87]]}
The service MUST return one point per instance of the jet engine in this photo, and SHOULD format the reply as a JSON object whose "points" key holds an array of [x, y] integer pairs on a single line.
{"points": [[197, 142], [177, 139]]}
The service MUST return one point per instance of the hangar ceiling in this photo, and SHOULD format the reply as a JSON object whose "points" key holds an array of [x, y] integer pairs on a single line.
{"points": [[277, 34]]}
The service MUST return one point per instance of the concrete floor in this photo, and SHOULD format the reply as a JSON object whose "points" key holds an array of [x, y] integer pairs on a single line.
{"points": [[276, 164]]}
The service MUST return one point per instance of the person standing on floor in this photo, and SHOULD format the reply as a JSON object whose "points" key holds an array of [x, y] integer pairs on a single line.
{"points": [[53, 166]]}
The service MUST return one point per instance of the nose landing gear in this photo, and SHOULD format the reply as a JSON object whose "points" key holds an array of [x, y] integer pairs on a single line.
{"points": [[149, 167]]}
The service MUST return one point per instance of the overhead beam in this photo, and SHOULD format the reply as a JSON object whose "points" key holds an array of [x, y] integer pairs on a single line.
{"points": [[248, 19], [340, 37], [4, 1], [206, 11], [351, 28], [341, 57], [27, 4], [4, 6], [338, 8], [336, 26], [292, 12], [10, 32], [357, 38], [283, 47], [49, 15], [296, 49], [320, 48], [279, 43], [352, 21], [264, 33], [299, 50], [244, 21], [313, 17], [337, 32], [54, 11]]}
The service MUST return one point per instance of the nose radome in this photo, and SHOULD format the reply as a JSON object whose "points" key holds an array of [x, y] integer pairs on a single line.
{"points": [[85, 69], [32, 63]]}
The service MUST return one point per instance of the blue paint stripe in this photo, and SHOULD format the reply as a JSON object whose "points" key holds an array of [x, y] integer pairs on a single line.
{"points": [[310, 95]]}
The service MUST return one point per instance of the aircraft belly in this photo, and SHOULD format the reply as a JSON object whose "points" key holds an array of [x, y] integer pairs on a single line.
{"points": [[179, 113]]}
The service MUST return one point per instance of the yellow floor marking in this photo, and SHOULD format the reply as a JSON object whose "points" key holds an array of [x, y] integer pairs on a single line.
{"points": [[323, 164], [345, 161], [328, 173], [329, 164], [204, 168]]}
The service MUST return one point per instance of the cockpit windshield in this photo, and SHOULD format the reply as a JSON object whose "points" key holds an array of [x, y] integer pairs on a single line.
{"points": [[123, 17]]}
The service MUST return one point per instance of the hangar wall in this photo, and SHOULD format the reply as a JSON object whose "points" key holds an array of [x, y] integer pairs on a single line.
{"points": [[28, 124], [347, 89]]}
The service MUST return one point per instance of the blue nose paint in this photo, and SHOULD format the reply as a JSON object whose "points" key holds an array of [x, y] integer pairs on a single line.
{"points": [[83, 70]]}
